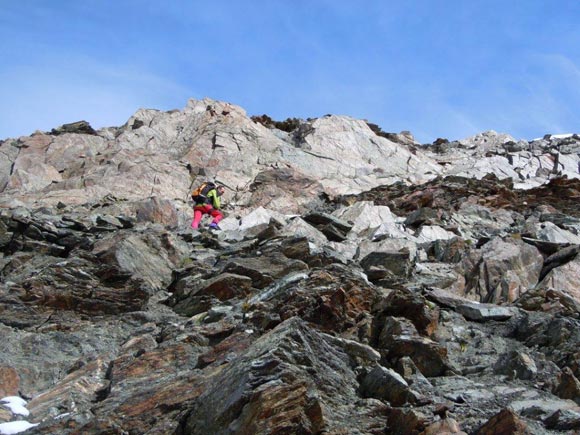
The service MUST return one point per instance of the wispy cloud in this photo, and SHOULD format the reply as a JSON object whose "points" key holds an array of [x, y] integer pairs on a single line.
{"points": [[102, 94], [549, 100], [449, 70], [564, 71]]}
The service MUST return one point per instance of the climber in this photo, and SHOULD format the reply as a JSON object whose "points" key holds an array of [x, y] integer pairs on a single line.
{"points": [[208, 202]]}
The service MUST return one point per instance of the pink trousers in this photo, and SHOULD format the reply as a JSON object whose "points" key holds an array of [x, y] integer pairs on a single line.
{"points": [[200, 210]]}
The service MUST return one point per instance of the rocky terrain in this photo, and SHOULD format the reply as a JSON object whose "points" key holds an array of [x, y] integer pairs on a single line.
{"points": [[362, 283]]}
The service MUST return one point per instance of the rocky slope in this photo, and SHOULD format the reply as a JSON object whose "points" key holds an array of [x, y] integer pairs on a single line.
{"points": [[362, 283]]}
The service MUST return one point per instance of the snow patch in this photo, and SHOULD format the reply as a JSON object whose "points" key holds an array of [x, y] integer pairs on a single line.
{"points": [[16, 404], [14, 427], [556, 136]]}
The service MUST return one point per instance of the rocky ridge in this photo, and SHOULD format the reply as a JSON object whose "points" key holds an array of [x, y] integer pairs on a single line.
{"points": [[362, 283]]}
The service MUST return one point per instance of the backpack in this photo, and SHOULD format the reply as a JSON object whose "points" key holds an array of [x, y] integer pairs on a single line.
{"points": [[199, 194]]}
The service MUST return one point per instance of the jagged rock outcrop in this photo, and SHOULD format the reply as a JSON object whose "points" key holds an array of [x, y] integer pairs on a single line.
{"points": [[529, 164], [356, 286], [158, 153]]}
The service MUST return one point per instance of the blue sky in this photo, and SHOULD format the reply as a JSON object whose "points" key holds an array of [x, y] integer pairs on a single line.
{"points": [[436, 68]]}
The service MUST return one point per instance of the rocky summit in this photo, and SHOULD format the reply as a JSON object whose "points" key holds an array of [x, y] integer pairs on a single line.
{"points": [[361, 282]]}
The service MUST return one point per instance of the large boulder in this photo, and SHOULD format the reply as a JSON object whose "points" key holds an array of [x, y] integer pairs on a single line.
{"points": [[502, 270], [365, 217], [149, 257], [529, 164], [273, 390], [564, 278]]}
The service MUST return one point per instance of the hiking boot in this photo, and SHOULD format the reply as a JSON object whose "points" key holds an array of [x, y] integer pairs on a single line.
{"points": [[213, 226]]}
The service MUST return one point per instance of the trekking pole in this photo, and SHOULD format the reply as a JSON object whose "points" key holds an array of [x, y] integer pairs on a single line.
{"points": [[193, 180], [243, 189], [225, 185], [189, 190]]}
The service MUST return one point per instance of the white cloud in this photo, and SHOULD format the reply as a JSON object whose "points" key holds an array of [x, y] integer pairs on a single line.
{"points": [[560, 64]]}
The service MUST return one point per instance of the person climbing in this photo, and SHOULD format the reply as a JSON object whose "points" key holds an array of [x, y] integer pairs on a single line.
{"points": [[207, 200]]}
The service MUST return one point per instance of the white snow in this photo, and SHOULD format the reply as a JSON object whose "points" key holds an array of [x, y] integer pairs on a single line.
{"points": [[16, 404], [14, 427], [18, 407], [556, 136]]}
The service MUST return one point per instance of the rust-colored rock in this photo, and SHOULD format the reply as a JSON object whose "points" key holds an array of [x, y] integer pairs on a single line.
{"points": [[334, 302], [398, 338], [226, 350], [429, 356], [446, 426], [154, 410], [277, 408], [157, 210], [403, 302], [406, 421], [568, 386], [147, 363], [505, 422], [227, 286], [86, 385], [9, 382]]}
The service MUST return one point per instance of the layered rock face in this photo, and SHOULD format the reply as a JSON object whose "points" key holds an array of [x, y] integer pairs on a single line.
{"points": [[157, 153], [362, 283]]}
